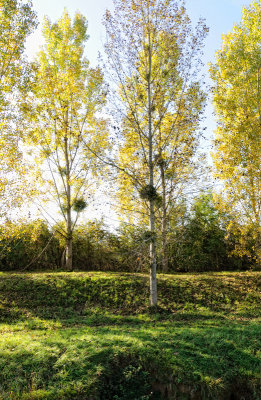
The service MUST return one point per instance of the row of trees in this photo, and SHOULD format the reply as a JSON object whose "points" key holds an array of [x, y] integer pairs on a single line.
{"points": [[149, 143]]}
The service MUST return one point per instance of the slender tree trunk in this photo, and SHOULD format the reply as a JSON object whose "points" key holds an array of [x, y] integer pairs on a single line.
{"points": [[255, 207], [258, 244], [68, 261], [165, 259], [69, 244], [69, 241], [153, 259]]}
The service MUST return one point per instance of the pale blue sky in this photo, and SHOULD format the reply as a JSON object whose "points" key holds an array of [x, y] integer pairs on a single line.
{"points": [[219, 14]]}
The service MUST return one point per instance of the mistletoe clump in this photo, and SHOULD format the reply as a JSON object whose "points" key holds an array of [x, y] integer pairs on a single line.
{"points": [[148, 192], [79, 205]]}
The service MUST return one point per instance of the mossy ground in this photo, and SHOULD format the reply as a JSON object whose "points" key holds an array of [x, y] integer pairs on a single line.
{"points": [[92, 336]]}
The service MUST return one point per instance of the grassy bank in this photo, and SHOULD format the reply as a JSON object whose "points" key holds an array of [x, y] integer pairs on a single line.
{"points": [[91, 336]]}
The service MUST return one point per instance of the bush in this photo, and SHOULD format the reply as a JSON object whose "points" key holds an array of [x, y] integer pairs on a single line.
{"points": [[200, 244], [28, 245], [95, 248]]}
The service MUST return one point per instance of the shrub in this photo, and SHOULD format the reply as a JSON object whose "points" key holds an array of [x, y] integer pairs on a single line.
{"points": [[28, 245]]}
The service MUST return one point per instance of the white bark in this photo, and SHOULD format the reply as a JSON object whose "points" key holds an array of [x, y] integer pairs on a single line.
{"points": [[153, 259]]}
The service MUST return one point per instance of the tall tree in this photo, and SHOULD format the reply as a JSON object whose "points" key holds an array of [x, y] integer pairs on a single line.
{"points": [[152, 58], [17, 21], [62, 119], [237, 98]]}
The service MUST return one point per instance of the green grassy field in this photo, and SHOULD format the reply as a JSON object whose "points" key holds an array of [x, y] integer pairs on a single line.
{"points": [[91, 336]]}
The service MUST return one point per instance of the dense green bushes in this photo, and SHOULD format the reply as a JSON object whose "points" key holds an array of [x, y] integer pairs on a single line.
{"points": [[95, 248], [34, 246], [200, 243], [28, 245], [197, 241]]}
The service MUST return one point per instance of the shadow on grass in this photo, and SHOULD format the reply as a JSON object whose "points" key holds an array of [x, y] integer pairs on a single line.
{"points": [[74, 328], [59, 296], [209, 359]]}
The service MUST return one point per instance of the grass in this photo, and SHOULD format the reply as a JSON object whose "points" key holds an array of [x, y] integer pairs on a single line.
{"points": [[91, 336]]}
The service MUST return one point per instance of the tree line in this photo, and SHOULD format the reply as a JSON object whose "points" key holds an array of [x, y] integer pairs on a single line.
{"points": [[134, 122], [197, 243]]}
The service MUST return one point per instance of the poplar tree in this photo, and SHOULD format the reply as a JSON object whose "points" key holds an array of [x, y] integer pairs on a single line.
{"points": [[153, 56], [61, 112], [237, 99], [17, 21]]}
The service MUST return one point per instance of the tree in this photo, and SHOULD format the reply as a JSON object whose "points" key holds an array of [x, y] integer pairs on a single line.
{"points": [[17, 21], [152, 58], [61, 113], [237, 98]]}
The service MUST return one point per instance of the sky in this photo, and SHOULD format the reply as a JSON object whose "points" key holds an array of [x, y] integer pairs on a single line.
{"points": [[220, 15]]}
